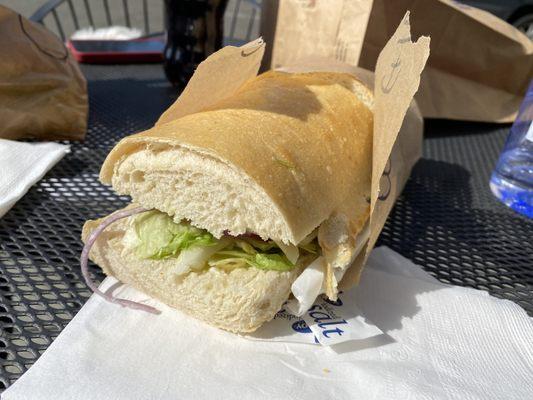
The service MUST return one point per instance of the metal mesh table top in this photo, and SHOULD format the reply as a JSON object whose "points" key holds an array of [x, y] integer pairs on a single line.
{"points": [[446, 219]]}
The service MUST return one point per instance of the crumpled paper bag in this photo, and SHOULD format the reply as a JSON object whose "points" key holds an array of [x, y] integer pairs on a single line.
{"points": [[480, 65], [42, 91], [439, 342], [479, 68]]}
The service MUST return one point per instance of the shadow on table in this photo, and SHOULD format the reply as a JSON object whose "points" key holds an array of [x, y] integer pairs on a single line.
{"points": [[377, 299], [468, 246]]}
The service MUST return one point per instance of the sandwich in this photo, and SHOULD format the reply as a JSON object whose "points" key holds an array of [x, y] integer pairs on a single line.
{"points": [[232, 203]]}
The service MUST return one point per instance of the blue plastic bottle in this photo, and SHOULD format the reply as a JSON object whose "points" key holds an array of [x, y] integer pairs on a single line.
{"points": [[512, 179]]}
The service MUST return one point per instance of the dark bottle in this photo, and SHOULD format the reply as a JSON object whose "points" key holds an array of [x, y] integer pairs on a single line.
{"points": [[194, 31]]}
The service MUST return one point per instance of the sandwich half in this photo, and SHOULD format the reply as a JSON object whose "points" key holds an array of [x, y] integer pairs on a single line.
{"points": [[237, 200]]}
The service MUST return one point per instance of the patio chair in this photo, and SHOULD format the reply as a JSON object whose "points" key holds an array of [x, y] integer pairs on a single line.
{"points": [[64, 17]]}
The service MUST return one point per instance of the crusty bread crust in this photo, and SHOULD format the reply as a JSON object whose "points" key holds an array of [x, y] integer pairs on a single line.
{"points": [[238, 301], [301, 143]]}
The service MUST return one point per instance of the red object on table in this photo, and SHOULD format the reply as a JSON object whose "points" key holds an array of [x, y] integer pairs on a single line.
{"points": [[118, 51]]}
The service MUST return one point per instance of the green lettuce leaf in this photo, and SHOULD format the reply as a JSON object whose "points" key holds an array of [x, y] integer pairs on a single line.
{"points": [[160, 237], [156, 236], [275, 262], [237, 258]]}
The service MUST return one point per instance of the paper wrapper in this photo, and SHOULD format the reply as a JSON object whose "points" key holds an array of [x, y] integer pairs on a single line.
{"points": [[397, 140], [398, 129], [479, 69], [42, 91]]}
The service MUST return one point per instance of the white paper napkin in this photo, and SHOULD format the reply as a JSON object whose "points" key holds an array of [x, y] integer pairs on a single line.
{"points": [[21, 165], [440, 342]]}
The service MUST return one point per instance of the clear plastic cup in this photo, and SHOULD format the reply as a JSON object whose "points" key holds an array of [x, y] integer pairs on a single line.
{"points": [[512, 179]]}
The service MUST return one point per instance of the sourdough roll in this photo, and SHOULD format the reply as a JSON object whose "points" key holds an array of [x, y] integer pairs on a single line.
{"points": [[243, 197]]}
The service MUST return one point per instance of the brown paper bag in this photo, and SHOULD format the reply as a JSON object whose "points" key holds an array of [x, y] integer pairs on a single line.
{"points": [[479, 67], [397, 140], [296, 29], [42, 91]]}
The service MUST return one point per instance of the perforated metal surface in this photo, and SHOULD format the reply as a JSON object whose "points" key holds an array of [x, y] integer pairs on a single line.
{"points": [[446, 220]]}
